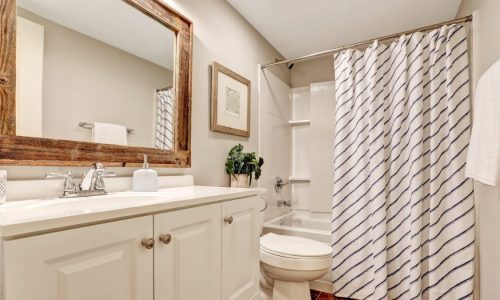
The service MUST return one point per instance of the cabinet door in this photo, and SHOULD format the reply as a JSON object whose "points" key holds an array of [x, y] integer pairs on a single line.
{"points": [[240, 249], [99, 262], [188, 264]]}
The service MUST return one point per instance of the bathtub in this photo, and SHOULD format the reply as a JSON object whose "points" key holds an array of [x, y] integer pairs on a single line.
{"points": [[304, 224], [316, 227]]}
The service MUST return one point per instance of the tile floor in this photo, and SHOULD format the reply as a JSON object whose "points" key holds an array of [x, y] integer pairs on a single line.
{"points": [[317, 295]]}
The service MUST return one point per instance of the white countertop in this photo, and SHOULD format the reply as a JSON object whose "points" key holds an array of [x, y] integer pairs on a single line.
{"points": [[21, 218]]}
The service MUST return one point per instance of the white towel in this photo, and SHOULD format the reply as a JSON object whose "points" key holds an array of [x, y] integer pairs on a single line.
{"points": [[483, 159], [107, 133]]}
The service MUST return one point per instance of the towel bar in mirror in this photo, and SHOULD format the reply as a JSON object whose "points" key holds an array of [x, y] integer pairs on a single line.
{"points": [[107, 61], [90, 126]]}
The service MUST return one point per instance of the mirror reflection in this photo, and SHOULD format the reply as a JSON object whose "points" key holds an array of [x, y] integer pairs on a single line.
{"points": [[96, 71]]}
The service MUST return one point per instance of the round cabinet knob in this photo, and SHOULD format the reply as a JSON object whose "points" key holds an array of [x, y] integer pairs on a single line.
{"points": [[148, 243], [165, 238], [228, 220]]}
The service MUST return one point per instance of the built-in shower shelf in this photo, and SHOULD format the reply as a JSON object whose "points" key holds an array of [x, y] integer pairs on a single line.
{"points": [[299, 179], [299, 122]]}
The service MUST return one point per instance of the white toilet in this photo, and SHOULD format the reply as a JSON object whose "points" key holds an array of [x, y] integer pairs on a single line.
{"points": [[288, 263]]}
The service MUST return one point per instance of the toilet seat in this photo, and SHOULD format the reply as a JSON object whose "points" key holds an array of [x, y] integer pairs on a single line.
{"points": [[294, 246], [294, 253]]}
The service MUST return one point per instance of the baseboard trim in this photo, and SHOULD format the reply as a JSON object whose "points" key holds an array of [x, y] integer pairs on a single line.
{"points": [[322, 286]]}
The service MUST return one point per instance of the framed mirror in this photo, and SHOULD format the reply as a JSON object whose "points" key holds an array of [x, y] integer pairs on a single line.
{"points": [[86, 81]]}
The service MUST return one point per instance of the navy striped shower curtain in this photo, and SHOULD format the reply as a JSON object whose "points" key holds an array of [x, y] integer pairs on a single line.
{"points": [[403, 211], [164, 126]]}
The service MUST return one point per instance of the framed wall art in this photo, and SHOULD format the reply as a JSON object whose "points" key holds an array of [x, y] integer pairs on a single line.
{"points": [[230, 112]]}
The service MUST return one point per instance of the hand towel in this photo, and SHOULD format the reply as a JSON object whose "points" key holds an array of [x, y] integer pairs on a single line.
{"points": [[107, 133], [483, 158]]}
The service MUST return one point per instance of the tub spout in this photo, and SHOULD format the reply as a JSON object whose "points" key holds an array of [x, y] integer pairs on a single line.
{"points": [[285, 203]]}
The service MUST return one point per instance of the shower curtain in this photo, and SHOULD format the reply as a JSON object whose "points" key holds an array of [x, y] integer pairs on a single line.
{"points": [[403, 211], [164, 132]]}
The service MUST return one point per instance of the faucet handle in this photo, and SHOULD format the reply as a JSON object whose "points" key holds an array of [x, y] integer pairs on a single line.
{"points": [[99, 182], [69, 184], [52, 175], [103, 173], [98, 166]]}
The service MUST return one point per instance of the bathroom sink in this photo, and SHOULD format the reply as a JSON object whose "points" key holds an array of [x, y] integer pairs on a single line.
{"points": [[96, 203], [112, 205], [39, 209], [39, 214]]}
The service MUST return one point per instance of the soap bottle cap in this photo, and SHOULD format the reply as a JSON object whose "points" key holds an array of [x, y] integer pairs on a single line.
{"points": [[145, 165]]}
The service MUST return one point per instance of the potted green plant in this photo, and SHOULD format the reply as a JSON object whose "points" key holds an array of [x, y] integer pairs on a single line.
{"points": [[242, 166]]}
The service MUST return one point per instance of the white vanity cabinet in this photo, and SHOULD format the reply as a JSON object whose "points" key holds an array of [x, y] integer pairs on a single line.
{"points": [[208, 252], [188, 260], [99, 262], [240, 249]]}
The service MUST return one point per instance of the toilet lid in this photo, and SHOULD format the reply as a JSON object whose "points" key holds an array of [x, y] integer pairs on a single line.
{"points": [[294, 246]]}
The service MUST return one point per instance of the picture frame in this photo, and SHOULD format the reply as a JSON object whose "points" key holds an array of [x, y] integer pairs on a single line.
{"points": [[231, 102]]}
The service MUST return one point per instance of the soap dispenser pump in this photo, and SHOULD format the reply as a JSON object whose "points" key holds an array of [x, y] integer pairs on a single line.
{"points": [[145, 179]]}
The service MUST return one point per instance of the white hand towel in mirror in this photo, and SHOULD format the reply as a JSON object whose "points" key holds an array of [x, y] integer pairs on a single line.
{"points": [[483, 159], [107, 133]]}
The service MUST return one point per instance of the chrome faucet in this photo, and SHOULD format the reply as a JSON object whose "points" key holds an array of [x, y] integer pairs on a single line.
{"points": [[92, 183], [279, 184], [88, 178]]}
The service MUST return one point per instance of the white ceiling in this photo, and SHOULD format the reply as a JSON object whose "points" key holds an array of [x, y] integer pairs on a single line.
{"points": [[112, 22], [299, 27]]}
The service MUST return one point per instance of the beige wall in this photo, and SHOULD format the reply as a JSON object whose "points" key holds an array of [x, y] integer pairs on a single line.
{"points": [[489, 22], [29, 77], [221, 35], [487, 51], [87, 80], [310, 71]]}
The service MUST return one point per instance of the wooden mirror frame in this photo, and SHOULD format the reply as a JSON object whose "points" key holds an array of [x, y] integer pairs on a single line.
{"points": [[33, 151]]}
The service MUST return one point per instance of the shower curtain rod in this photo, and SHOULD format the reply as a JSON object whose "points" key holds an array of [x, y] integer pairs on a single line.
{"points": [[355, 45]]}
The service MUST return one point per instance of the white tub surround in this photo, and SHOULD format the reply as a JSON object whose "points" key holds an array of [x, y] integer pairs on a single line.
{"points": [[274, 139], [186, 242]]}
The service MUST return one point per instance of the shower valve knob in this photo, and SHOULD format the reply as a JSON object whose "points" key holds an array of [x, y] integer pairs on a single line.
{"points": [[279, 184]]}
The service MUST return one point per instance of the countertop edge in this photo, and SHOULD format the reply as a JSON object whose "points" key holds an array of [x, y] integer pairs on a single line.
{"points": [[44, 226]]}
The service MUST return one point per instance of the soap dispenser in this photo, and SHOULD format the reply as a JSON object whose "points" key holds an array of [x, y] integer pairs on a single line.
{"points": [[145, 179]]}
